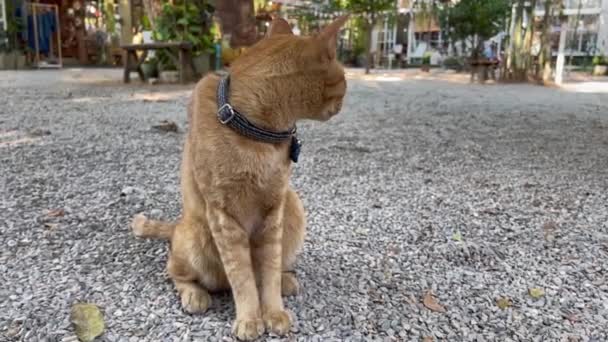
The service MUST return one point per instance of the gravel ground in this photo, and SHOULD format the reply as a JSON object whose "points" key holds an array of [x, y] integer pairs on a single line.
{"points": [[477, 193]]}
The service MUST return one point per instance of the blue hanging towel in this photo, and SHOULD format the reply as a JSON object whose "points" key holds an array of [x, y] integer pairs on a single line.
{"points": [[47, 25]]}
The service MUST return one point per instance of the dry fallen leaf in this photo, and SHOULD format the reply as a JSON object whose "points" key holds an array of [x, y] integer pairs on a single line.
{"points": [[87, 320], [572, 318], [491, 211], [427, 339], [504, 302], [411, 300], [56, 213], [536, 292], [431, 303], [166, 126], [50, 226]]}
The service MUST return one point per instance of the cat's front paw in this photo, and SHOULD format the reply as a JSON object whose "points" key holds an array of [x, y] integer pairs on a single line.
{"points": [[248, 328], [277, 322], [138, 225]]}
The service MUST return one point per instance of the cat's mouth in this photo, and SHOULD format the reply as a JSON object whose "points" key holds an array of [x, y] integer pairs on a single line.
{"points": [[333, 110]]}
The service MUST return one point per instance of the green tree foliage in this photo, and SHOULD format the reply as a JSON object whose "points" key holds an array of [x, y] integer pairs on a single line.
{"points": [[182, 22], [371, 11], [474, 20]]}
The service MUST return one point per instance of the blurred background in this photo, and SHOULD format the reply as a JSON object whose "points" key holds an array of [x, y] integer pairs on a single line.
{"points": [[513, 40]]}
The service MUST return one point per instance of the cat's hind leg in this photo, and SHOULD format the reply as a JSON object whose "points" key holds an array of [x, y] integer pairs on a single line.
{"points": [[192, 268], [294, 231], [194, 298]]}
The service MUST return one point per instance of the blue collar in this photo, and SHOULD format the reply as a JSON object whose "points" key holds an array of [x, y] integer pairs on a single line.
{"points": [[230, 117]]}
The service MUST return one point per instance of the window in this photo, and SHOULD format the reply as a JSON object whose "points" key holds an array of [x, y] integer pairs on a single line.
{"points": [[3, 25], [586, 35], [432, 37], [386, 38], [574, 4], [2, 15]]}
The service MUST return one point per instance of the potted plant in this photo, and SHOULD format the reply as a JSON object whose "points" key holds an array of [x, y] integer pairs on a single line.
{"points": [[600, 65], [166, 69], [150, 68], [185, 22], [11, 56], [426, 63], [5, 55], [15, 26]]}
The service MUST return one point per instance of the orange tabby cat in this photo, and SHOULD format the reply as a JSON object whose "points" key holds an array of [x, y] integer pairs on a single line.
{"points": [[242, 224]]}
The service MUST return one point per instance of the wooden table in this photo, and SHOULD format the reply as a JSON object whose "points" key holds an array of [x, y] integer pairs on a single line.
{"points": [[183, 60], [480, 68]]}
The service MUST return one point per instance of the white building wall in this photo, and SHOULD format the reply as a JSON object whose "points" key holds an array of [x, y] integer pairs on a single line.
{"points": [[602, 36]]}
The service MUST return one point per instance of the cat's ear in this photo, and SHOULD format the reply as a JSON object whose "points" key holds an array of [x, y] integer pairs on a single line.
{"points": [[278, 26], [329, 36]]}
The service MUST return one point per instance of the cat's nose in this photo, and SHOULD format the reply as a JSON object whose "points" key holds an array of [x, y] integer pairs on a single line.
{"points": [[336, 108]]}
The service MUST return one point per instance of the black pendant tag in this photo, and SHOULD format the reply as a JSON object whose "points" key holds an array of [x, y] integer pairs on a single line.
{"points": [[294, 149]]}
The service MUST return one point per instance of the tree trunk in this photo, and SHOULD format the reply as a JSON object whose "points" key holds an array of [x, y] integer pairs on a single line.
{"points": [[508, 55], [153, 9], [517, 58], [429, 18], [528, 38], [544, 71], [559, 65], [368, 45]]}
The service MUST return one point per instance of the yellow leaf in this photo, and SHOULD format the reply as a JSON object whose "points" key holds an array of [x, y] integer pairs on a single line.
{"points": [[431, 303], [457, 236], [536, 292], [87, 320], [504, 303]]}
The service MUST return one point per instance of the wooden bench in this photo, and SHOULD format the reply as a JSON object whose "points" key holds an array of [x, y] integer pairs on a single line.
{"points": [[183, 60]]}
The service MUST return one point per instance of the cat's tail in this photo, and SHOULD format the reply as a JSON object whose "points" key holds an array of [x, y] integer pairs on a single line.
{"points": [[146, 228]]}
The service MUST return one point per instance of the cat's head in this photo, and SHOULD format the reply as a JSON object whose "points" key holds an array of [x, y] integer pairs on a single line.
{"points": [[296, 74]]}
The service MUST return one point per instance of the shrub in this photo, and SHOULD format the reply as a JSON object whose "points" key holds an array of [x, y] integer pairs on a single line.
{"points": [[453, 63], [426, 60], [599, 60]]}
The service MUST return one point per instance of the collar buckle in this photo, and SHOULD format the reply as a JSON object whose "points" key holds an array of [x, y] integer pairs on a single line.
{"points": [[225, 120]]}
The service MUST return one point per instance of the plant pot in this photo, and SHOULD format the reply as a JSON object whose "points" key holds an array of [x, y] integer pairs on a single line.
{"points": [[169, 76], [3, 61], [425, 68], [201, 64], [600, 70], [8, 60], [360, 60], [149, 70], [20, 62]]}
